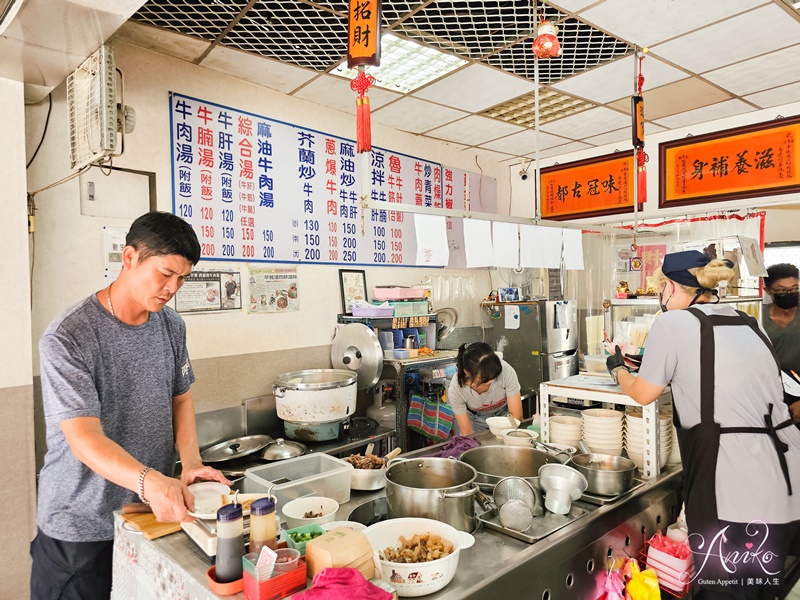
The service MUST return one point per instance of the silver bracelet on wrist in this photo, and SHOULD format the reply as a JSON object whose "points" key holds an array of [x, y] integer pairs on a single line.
{"points": [[144, 472], [615, 373]]}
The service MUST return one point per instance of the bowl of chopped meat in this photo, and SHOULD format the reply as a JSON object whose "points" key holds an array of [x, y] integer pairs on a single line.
{"points": [[417, 556], [369, 472]]}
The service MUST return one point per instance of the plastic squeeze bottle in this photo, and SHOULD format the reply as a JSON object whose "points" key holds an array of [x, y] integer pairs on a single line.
{"points": [[230, 543], [263, 529]]}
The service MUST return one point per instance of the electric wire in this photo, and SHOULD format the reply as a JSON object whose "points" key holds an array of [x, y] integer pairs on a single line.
{"points": [[44, 131]]}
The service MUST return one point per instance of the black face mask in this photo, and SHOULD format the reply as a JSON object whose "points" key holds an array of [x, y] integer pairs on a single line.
{"points": [[786, 301], [661, 302]]}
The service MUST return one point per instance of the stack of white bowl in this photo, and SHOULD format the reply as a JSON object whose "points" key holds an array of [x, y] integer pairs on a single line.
{"points": [[634, 437], [674, 457], [565, 430], [602, 430]]}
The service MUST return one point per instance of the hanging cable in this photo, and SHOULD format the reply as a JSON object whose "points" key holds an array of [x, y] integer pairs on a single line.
{"points": [[44, 131]]}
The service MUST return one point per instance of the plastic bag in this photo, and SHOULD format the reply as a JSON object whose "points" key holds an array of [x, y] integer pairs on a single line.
{"points": [[643, 585]]}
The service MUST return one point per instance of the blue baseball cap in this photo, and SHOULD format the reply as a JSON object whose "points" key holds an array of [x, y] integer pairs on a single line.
{"points": [[676, 266]]}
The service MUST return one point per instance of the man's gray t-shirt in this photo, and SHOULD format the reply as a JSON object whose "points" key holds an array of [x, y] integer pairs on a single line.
{"points": [[749, 482], [94, 365]]}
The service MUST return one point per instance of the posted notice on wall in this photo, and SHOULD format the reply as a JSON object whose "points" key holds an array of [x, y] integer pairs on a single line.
{"points": [[210, 291], [273, 290]]}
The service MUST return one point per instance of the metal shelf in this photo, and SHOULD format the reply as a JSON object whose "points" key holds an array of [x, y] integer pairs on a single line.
{"points": [[380, 322], [653, 300]]}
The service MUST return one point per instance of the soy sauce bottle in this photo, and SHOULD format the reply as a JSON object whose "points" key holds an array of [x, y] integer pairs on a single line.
{"points": [[230, 543]]}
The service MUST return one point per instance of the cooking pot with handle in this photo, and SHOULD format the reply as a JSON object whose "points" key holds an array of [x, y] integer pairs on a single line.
{"points": [[493, 463], [432, 488], [315, 395]]}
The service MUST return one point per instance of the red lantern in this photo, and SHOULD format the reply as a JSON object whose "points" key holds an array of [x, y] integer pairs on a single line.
{"points": [[546, 44]]}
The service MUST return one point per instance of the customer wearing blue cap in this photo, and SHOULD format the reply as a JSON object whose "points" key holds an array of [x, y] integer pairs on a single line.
{"points": [[741, 458]]}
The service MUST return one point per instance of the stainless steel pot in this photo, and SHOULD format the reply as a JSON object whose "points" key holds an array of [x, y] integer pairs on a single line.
{"points": [[606, 475], [432, 488], [312, 432], [493, 463], [315, 395]]}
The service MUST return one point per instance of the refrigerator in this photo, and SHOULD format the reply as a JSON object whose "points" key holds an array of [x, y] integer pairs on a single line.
{"points": [[538, 338]]}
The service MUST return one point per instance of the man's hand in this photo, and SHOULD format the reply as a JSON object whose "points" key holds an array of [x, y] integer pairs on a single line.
{"points": [[169, 499], [191, 474], [615, 362], [794, 409]]}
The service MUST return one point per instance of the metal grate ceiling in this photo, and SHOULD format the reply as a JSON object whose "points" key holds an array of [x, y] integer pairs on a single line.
{"points": [[553, 105], [313, 35], [205, 19], [292, 32], [473, 30], [582, 47]]}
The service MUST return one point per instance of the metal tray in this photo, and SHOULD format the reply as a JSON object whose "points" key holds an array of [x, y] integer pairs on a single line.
{"points": [[541, 527], [603, 500]]}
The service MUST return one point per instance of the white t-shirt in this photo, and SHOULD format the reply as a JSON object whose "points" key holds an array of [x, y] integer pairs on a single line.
{"points": [[462, 397], [749, 481]]}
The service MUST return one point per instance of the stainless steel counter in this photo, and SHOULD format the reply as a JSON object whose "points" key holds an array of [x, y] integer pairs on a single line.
{"points": [[567, 565]]}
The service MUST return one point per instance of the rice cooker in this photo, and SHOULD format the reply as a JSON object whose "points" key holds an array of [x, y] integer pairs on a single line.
{"points": [[314, 402]]}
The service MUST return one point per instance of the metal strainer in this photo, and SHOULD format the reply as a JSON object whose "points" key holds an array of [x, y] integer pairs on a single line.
{"points": [[516, 500]]}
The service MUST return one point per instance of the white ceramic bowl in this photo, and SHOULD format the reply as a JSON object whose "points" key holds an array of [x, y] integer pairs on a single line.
{"points": [[416, 579], [497, 425], [602, 413], [605, 429], [639, 458], [565, 441], [354, 525], [611, 451], [607, 439], [294, 510], [520, 437], [207, 498], [558, 420]]}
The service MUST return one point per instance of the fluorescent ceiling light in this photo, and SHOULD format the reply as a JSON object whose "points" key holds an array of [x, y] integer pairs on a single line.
{"points": [[406, 65]]}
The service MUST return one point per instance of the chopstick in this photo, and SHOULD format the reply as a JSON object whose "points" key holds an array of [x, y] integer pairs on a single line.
{"points": [[796, 377]]}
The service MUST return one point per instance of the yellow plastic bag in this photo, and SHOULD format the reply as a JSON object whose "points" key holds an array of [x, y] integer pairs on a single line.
{"points": [[643, 585]]}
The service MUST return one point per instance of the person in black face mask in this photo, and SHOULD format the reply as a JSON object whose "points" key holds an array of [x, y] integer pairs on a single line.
{"points": [[781, 320]]}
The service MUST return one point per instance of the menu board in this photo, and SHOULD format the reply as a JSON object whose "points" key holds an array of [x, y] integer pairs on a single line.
{"points": [[260, 190]]}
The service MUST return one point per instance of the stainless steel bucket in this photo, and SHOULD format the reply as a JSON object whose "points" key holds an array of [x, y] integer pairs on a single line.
{"points": [[493, 463], [432, 488]]}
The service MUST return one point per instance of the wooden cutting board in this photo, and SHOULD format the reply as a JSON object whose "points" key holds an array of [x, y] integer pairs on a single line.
{"points": [[147, 524]]}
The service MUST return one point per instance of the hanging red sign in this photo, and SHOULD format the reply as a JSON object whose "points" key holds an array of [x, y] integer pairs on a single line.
{"points": [[588, 188], [746, 162], [364, 33]]}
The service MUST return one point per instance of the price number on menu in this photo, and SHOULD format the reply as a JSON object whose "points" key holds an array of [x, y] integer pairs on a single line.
{"points": [[267, 250]]}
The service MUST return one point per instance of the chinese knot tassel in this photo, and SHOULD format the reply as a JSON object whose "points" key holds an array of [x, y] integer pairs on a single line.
{"points": [[641, 175], [361, 83]]}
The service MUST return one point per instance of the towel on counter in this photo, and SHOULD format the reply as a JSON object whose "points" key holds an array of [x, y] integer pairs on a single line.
{"points": [[336, 583], [457, 446]]}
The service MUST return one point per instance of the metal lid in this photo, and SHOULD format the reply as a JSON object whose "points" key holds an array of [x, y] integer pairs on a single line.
{"points": [[315, 379], [229, 512], [356, 347], [281, 450], [262, 506], [230, 449]]}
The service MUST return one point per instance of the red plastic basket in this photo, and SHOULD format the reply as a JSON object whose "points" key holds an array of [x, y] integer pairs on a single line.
{"points": [[278, 586]]}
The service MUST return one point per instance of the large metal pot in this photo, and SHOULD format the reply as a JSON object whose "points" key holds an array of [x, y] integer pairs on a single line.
{"points": [[493, 463], [607, 475], [315, 395], [432, 488]]}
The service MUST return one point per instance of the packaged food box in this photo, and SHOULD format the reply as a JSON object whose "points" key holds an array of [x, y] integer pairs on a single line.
{"points": [[340, 547]]}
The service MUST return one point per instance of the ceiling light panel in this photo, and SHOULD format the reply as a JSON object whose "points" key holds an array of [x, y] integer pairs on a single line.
{"points": [[301, 34], [474, 29], [552, 105], [406, 65], [582, 48], [205, 19]]}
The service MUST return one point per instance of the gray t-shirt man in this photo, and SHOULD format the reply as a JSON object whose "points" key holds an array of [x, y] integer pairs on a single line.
{"points": [[749, 482], [94, 365]]}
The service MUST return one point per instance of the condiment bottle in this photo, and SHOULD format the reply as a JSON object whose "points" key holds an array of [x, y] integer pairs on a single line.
{"points": [[263, 530], [230, 543]]}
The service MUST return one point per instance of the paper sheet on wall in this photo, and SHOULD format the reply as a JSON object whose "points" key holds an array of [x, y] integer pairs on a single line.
{"points": [[432, 247], [505, 242], [512, 316], [573, 249], [478, 243], [550, 240]]}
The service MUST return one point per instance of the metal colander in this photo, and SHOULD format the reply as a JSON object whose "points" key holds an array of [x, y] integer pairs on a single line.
{"points": [[516, 500]]}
